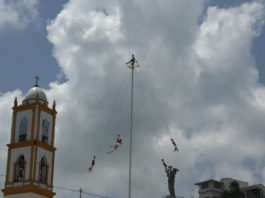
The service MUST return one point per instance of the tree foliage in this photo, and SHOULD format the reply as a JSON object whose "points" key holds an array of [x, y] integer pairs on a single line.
{"points": [[233, 192]]}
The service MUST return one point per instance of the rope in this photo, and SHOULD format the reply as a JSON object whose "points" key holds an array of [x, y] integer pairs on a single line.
{"points": [[113, 104], [98, 150], [149, 111], [117, 96], [159, 112]]}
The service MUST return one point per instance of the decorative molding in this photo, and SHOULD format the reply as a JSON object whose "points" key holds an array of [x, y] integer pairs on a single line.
{"points": [[20, 144], [53, 129], [32, 138], [52, 174], [28, 189], [36, 142], [45, 146], [32, 143], [14, 122], [8, 165]]}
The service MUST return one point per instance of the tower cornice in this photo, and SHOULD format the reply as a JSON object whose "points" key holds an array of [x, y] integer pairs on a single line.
{"points": [[32, 105], [28, 189], [32, 143]]}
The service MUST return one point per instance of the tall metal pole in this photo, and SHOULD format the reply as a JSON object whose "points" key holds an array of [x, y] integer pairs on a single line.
{"points": [[131, 131], [131, 65]]}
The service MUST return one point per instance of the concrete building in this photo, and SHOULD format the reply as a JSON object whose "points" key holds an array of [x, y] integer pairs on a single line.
{"points": [[214, 189], [255, 191]]}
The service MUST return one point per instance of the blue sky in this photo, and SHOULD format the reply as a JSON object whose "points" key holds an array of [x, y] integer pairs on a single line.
{"points": [[27, 52], [202, 74]]}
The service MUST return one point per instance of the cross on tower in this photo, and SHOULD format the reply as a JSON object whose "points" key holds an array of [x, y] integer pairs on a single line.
{"points": [[37, 79]]}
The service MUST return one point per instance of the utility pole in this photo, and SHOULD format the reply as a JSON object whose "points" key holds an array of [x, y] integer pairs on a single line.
{"points": [[131, 64]]}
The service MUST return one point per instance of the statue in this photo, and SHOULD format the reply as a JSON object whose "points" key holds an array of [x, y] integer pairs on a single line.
{"points": [[171, 172]]}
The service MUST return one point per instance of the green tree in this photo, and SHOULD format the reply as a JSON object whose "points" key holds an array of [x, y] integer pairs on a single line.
{"points": [[233, 192]]}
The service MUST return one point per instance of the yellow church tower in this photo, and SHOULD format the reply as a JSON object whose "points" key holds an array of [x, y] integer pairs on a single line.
{"points": [[31, 152]]}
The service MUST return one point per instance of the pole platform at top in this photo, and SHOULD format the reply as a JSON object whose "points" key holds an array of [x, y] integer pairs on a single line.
{"points": [[133, 63]]}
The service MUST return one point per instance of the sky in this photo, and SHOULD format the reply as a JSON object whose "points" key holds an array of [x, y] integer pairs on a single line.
{"points": [[201, 81]]}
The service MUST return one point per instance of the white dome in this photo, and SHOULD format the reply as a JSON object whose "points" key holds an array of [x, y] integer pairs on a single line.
{"points": [[32, 95], [34, 92]]}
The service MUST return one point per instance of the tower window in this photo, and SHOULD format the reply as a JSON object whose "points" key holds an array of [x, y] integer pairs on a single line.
{"points": [[43, 171], [23, 128], [20, 169], [45, 131]]}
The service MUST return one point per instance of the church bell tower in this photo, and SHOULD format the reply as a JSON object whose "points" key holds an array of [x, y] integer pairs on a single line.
{"points": [[31, 152]]}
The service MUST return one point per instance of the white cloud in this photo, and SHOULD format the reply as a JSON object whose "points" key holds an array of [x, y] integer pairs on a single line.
{"points": [[200, 81], [203, 78], [17, 14]]}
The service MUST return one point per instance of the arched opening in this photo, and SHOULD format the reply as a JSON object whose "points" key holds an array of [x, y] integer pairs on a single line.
{"points": [[20, 169], [43, 170], [45, 131], [23, 128]]}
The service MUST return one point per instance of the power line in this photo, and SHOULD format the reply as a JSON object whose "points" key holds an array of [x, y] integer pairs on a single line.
{"points": [[72, 190], [67, 189], [94, 194], [80, 190]]}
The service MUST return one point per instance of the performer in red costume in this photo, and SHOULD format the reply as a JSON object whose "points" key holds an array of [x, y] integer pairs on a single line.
{"points": [[92, 164], [174, 144], [117, 144], [165, 165]]}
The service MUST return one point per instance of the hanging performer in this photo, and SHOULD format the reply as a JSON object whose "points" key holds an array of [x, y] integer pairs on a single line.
{"points": [[174, 144], [92, 164], [165, 165], [117, 144]]}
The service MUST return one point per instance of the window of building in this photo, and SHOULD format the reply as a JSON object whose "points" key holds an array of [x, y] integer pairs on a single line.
{"points": [[45, 131], [20, 169], [205, 185], [255, 191], [218, 185], [43, 170], [23, 128]]}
